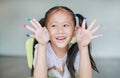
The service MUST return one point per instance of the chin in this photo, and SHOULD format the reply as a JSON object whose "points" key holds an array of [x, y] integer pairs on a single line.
{"points": [[62, 45]]}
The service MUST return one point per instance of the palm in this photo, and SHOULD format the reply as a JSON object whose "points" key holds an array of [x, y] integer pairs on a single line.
{"points": [[85, 36], [40, 34]]}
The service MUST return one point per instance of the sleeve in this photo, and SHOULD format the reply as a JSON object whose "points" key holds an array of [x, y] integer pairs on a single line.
{"points": [[35, 54], [77, 62]]}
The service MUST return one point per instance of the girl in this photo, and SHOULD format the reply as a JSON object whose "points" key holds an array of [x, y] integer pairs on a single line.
{"points": [[55, 56]]}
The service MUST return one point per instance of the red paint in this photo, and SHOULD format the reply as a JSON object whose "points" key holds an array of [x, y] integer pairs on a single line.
{"points": [[25, 25], [78, 27]]}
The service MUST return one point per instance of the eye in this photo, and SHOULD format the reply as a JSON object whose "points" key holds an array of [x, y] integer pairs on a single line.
{"points": [[53, 26], [65, 25]]}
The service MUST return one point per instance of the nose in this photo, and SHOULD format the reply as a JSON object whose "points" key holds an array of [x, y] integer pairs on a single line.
{"points": [[60, 30]]}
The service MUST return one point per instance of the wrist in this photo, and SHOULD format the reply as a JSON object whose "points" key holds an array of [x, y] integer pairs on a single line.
{"points": [[42, 45], [83, 48]]}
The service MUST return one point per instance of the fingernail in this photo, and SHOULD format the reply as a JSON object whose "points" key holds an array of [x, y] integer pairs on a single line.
{"points": [[85, 18], [29, 19], [25, 25], [27, 35], [95, 19]]}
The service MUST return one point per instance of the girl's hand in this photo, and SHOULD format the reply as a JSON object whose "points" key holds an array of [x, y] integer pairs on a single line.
{"points": [[85, 36], [40, 33]]}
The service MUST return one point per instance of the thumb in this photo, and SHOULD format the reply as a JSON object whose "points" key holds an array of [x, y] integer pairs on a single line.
{"points": [[45, 29]]}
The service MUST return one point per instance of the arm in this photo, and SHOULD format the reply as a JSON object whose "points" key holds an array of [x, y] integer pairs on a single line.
{"points": [[41, 64], [42, 36], [85, 70], [84, 37]]}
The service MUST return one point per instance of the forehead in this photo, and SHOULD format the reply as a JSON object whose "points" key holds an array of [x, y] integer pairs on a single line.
{"points": [[60, 10], [60, 13]]}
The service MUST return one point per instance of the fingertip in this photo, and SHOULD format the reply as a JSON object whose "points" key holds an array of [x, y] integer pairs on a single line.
{"points": [[99, 26], [95, 19], [25, 25], [29, 19], [85, 18], [78, 27], [34, 19], [27, 35]]}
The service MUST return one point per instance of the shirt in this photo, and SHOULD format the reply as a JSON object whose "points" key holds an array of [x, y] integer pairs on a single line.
{"points": [[56, 66]]}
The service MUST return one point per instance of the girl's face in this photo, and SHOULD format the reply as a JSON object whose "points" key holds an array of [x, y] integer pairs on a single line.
{"points": [[60, 26]]}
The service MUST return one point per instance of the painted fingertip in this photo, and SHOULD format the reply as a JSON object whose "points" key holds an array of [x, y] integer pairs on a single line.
{"points": [[78, 27], [29, 19], [25, 25], [85, 18], [95, 19], [27, 35], [34, 19]]}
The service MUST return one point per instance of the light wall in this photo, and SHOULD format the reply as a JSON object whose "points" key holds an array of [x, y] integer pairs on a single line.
{"points": [[14, 14]]}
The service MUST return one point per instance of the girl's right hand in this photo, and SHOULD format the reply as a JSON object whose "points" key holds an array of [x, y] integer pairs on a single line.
{"points": [[40, 33]]}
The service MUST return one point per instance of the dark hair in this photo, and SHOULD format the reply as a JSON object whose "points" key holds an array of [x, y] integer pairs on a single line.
{"points": [[74, 48]]}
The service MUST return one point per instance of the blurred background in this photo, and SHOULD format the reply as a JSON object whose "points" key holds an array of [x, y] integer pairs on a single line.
{"points": [[14, 14]]}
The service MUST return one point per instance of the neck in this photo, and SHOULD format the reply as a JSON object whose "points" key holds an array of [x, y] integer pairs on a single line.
{"points": [[60, 52]]}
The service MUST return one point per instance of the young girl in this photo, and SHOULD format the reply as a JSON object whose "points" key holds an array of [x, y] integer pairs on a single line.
{"points": [[55, 56]]}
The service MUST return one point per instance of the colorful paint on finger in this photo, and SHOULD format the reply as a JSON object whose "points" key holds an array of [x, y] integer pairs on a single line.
{"points": [[25, 25], [85, 18], [29, 19], [95, 19], [27, 35]]}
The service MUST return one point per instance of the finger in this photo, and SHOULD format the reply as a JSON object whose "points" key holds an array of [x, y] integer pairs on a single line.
{"points": [[45, 29], [97, 36], [29, 28], [37, 23], [84, 22], [79, 29], [32, 22], [33, 36], [91, 25], [95, 29], [28, 35]]}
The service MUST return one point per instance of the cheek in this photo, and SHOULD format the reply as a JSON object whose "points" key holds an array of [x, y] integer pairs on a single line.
{"points": [[70, 31], [51, 33]]}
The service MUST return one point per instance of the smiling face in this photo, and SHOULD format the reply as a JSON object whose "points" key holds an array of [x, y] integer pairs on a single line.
{"points": [[60, 26]]}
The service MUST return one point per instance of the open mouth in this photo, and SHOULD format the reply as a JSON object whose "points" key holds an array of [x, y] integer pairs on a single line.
{"points": [[61, 38]]}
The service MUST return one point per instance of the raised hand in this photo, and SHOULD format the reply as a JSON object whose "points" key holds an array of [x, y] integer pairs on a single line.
{"points": [[85, 36], [39, 33]]}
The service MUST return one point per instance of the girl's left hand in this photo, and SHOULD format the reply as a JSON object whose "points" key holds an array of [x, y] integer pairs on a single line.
{"points": [[85, 36]]}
